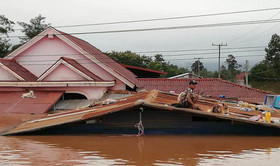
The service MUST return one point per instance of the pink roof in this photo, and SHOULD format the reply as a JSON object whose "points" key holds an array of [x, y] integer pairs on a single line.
{"points": [[140, 68], [18, 69], [104, 59], [209, 86], [81, 68], [12, 102]]}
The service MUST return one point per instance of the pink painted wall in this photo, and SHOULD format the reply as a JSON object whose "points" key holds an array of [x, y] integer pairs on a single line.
{"points": [[40, 56], [64, 73], [89, 92], [6, 76], [119, 86]]}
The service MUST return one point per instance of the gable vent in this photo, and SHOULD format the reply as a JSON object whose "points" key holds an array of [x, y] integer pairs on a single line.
{"points": [[50, 36]]}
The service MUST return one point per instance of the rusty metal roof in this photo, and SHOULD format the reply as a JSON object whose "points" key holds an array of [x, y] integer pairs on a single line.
{"points": [[152, 99], [12, 102]]}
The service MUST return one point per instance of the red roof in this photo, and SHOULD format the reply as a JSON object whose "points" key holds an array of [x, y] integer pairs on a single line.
{"points": [[81, 68], [104, 59], [209, 86], [140, 68], [12, 102], [18, 69]]}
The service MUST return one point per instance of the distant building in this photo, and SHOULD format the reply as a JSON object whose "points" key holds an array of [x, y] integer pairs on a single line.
{"points": [[143, 72], [240, 77]]}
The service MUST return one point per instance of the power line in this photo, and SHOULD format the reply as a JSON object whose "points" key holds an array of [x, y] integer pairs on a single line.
{"points": [[206, 53], [28, 62], [254, 28], [267, 78], [219, 66], [181, 59], [168, 18], [203, 53], [202, 49], [169, 28]]}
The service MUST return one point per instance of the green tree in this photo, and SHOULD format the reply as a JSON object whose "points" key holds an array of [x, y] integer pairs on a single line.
{"points": [[32, 29], [261, 72], [197, 67], [156, 62], [232, 63], [269, 68], [232, 68], [130, 58], [225, 74], [6, 26], [208, 74], [272, 58]]}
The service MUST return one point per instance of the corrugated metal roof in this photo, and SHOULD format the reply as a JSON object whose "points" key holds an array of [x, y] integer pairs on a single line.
{"points": [[12, 102], [153, 99], [72, 104]]}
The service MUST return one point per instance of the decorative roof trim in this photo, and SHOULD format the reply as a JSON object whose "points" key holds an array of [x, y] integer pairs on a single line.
{"points": [[59, 84], [94, 60], [56, 64], [27, 45], [12, 72]]}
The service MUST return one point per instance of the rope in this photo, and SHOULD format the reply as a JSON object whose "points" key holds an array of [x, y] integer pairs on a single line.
{"points": [[140, 125]]}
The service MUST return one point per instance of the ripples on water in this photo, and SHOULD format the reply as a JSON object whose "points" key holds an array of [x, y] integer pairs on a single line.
{"points": [[132, 150]]}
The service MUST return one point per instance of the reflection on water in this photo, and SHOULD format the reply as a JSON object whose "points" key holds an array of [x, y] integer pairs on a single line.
{"points": [[132, 150]]}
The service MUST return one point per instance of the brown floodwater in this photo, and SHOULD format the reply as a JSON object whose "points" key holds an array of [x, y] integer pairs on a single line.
{"points": [[145, 150]]}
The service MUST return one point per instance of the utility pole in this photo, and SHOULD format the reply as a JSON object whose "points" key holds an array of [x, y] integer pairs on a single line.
{"points": [[198, 63], [246, 72], [219, 61]]}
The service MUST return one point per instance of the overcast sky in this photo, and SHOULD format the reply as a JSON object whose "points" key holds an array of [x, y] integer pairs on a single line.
{"points": [[74, 12]]}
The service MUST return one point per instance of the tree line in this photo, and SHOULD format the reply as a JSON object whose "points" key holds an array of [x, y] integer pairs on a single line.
{"points": [[268, 69]]}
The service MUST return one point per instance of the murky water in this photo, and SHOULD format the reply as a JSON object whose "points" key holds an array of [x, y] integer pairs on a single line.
{"points": [[146, 150]]}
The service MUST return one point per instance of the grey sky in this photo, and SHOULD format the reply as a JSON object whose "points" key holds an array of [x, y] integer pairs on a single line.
{"points": [[72, 12]]}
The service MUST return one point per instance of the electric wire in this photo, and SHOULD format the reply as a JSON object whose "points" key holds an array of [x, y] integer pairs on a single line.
{"points": [[167, 18], [167, 28]]}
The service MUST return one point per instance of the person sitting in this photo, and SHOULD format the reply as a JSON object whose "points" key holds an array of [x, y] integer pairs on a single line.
{"points": [[187, 98]]}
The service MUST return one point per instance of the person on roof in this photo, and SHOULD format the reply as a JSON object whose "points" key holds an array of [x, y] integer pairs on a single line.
{"points": [[187, 98]]}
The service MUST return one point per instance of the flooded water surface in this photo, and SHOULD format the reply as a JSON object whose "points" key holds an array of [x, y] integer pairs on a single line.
{"points": [[145, 150]]}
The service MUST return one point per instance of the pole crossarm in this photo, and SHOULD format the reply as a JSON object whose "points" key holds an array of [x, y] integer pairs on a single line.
{"points": [[219, 59]]}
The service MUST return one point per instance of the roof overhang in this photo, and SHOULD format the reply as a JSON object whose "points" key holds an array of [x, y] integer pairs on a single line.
{"points": [[59, 84]]}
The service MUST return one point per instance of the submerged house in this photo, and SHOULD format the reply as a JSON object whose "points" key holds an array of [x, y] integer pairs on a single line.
{"points": [[53, 64]]}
